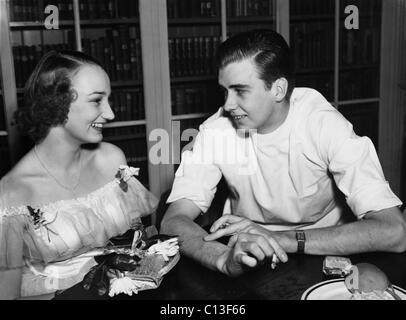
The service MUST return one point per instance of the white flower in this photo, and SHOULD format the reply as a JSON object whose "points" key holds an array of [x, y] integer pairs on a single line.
{"points": [[127, 172], [123, 285], [168, 248]]}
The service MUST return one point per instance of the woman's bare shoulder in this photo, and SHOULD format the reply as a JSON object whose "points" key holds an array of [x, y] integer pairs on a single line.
{"points": [[106, 157], [16, 185]]}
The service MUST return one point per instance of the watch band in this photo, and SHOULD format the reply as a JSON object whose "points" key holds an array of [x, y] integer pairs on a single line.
{"points": [[301, 239]]}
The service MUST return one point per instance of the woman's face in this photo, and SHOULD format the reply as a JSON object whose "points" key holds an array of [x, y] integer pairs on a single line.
{"points": [[91, 109]]}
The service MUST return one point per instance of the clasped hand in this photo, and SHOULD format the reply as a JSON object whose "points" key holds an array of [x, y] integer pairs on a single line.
{"points": [[250, 244]]}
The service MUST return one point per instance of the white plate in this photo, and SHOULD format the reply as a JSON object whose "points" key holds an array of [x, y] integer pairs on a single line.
{"points": [[336, 290]]}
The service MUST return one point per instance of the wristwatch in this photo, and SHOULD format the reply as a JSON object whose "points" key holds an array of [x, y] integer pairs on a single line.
{"points": [[301, 239]]}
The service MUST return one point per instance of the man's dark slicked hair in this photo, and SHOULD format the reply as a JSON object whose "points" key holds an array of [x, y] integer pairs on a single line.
{"points": [[269, 51]]}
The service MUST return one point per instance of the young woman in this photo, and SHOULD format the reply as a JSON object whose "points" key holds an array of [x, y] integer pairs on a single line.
{"points": [[72, 192]]}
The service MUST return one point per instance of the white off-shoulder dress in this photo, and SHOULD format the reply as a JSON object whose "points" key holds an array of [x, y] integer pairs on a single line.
{"points": [[54, 244]]}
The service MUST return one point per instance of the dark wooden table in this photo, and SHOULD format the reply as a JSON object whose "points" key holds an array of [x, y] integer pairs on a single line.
{"points": [[190, 281]]}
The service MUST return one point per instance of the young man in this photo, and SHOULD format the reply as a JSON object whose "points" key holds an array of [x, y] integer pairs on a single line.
{"points": [[291, 151]]}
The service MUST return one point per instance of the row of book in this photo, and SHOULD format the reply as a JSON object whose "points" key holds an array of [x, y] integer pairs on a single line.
{"points": [[312, 7], [211, 8], [26, 58], [128, 105], [192, 8], [120, 56], [324, 83], [34, 10], [193, 56], [365, 7], [250, 8], [199, 98], [358, 84], [108, 9], [119, 51], [312, 45], [327, 7], [360, 47], [352, 85]]}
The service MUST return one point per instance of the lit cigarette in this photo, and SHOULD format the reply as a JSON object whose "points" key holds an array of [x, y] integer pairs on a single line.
{"points": [[274, 261]]}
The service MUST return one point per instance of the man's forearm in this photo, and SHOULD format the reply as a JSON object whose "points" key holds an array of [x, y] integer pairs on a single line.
{"points": [[192, 243], [382, 231]]}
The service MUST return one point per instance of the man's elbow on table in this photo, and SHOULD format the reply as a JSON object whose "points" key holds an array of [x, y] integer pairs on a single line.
{"points": [[402, 232], [400, 241], [395, 224], [179, 211]]}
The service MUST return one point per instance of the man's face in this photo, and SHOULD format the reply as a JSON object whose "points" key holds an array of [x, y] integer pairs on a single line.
{"points": [[248, 102]]}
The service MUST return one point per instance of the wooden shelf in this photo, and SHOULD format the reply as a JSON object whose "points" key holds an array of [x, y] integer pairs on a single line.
{"points": [[37, 24], [190, 116], [137, 159], [114, 84], [193, 21], [358, 101], [130, 123], [312, 17], [193, 79], [112, 21], [70, 23], [252, 19], [126, 83], [216, 20], [358, 67], [314, 70], [362, 15]]}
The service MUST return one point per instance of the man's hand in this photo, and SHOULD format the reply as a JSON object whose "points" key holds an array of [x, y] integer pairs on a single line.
{"points": [[246, 251], [250, 244]]}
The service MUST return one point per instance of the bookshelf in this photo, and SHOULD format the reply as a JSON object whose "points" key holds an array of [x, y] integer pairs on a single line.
{"points": [[342, 64], [109, 31], [160, 57], [195, 29], [359, 68]]}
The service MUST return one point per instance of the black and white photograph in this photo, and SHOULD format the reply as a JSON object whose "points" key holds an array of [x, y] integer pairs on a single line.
{"points": [[203, 154]]}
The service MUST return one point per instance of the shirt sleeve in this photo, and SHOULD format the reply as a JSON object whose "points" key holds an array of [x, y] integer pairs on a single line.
{"points": [[354, 164], [197, 176]]}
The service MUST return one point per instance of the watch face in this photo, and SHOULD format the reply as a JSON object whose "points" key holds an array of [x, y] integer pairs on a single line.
{"points": [[301, 238], [300, 235]]}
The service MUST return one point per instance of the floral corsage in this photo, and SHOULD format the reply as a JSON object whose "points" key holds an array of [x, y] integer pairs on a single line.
{"points": [[123, 174], [38, 219]]}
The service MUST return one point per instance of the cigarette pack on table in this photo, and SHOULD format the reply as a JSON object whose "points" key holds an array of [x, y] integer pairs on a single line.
{"points": [[336, 266]]}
